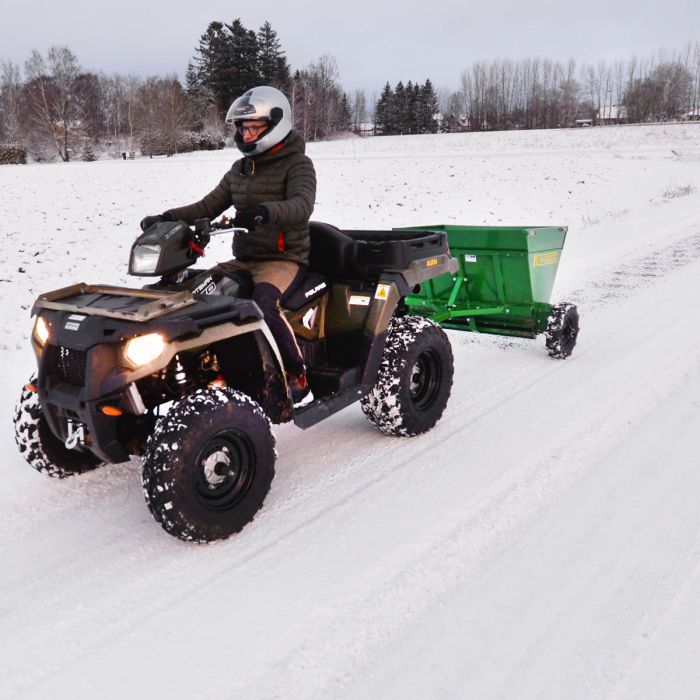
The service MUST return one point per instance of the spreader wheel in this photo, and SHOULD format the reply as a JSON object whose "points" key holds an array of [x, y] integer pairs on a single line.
{"points": [[562, 331]]}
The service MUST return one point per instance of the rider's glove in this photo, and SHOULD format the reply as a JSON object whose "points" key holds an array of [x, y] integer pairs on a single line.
{"points": [[148, 221], [250, 218]]}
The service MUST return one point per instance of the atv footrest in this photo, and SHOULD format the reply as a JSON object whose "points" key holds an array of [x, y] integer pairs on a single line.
{"points": [[322, 408], [326, 379]]}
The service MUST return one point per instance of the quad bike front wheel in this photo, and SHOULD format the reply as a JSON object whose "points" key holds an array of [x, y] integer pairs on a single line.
{"points": [[209, 465], [414, 380], [40, 447]]}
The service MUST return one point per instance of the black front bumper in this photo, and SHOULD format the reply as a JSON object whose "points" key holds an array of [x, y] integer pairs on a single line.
{"points": [[71, 383]]}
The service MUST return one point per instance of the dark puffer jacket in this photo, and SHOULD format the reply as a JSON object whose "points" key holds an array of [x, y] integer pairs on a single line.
{"points": [[282, 179]]}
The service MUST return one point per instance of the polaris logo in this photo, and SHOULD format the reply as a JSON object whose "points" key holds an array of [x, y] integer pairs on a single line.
{"points": [[313, 291]]}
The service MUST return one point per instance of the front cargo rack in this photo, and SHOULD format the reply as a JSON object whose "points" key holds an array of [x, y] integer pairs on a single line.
{"points": [[128, 304]]}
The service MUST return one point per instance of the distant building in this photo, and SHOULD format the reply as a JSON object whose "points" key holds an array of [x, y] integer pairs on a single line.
{"points": [[367, 129], [612, 114], [584, 122]]}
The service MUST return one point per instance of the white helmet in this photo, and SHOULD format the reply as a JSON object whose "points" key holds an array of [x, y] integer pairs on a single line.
{"points": [[265, 103]]}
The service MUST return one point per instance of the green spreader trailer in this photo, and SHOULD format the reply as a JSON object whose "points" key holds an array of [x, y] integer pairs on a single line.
{"points": [[503, 285]]}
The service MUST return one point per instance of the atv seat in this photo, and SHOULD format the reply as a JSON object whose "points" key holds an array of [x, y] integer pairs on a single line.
{"points": [[332, 255], [312, 286], [332, 251]]}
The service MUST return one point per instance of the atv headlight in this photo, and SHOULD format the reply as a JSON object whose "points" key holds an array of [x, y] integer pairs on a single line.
{"points": [[144, 259], [41, 330], [144, 349]]}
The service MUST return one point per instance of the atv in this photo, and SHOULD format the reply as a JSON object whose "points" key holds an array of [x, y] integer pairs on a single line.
{"points": [[186, 374]]}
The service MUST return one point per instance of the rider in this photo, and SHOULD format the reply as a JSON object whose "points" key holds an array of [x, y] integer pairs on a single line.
{"points": [[273, 188]]}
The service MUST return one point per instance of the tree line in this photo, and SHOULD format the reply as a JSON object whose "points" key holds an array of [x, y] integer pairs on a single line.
{"points": [[535, 93], [55, 109], [409, 109]]}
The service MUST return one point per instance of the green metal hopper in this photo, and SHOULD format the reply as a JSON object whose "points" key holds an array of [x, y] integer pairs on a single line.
{"points": [[503, 284]]}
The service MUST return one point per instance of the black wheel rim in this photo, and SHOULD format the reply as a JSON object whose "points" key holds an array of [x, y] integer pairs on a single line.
{"points": [[425, 378], [224, 470], [568, 333]]}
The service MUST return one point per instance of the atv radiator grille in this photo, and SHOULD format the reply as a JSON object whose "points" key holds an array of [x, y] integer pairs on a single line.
{"points": [[69, 365]]}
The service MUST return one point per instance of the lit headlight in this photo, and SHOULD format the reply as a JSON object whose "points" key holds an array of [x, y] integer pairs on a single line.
{"points": [[41, 330], [144, 259], [144, 349]]}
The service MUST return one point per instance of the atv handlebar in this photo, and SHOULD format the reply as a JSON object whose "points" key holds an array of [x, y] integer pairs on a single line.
{"points": [[224, 224], [204, 229]]}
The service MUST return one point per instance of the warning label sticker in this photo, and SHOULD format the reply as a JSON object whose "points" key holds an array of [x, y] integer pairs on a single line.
{"points": [[359, 301], [382, 291], [546, 259], [74, 321]]}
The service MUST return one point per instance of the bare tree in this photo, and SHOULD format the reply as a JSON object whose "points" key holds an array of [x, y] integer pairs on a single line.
{"points": [[324, 77], [359, 110], [318, 102], [163, 115], [453, 112], [52, 98], [10, 102]]}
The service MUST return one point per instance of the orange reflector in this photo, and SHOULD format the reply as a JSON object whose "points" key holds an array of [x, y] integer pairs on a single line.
{"points": [[111, 411], [30, 387]]}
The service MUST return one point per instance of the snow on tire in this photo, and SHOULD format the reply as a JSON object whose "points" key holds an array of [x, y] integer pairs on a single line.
{"points": [[40, 447], [209, 465], [414, 380], [562, 331]]}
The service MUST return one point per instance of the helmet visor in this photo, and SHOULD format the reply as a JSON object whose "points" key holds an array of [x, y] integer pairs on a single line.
{"points": [[252, 128]]}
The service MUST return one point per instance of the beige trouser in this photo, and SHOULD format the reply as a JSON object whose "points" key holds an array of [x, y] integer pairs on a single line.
{"points": [[271, 279], [279, 273]]}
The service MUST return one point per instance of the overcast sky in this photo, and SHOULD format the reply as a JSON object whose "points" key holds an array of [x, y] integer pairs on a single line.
{"points": [[372, 40]]}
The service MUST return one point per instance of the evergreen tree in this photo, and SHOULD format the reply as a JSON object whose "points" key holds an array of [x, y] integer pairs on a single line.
{"points": [[383, 113], [399, 109], [344, 113], [225, 63], [211, 64], [243, 56], [88, 155], [411, 118], [192, 82], [273, 68], [429, 108]]}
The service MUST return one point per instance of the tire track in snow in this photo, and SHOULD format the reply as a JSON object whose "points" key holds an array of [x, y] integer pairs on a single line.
{"points": [[639, 271], [519, 495], [108, 554], [499, 521]]}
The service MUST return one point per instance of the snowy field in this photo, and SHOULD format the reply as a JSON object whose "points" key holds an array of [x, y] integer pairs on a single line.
{"points": [[543, 541]]}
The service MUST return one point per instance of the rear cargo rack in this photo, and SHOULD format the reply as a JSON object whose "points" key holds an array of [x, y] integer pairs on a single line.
{"points": [[379, 251], [159, 304]]}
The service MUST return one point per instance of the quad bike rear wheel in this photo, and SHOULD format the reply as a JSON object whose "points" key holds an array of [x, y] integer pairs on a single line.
{"points": [[209, 465], [415, 378], [40, 447]]}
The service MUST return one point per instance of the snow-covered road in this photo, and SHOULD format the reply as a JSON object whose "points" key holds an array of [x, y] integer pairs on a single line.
{"points": [[542, 541]]}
